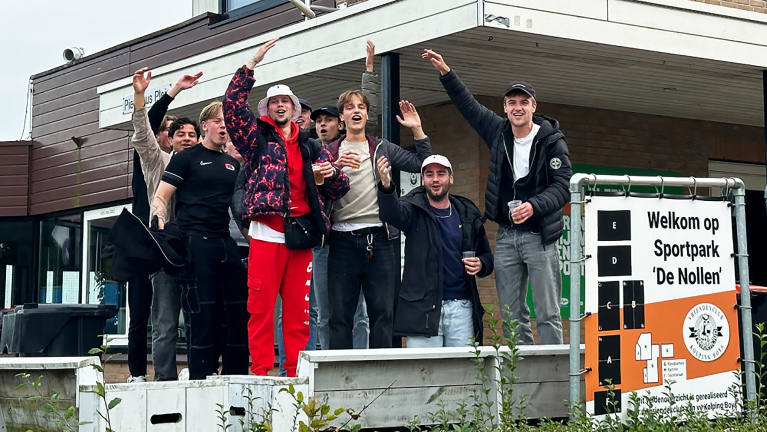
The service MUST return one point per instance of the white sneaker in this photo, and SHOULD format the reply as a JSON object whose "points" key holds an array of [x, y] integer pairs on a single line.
{"points": [[136, 379], [183, 375]]}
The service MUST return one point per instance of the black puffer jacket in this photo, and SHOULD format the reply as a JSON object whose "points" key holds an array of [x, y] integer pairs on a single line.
{"points": [[550, 168], [420, 300]]}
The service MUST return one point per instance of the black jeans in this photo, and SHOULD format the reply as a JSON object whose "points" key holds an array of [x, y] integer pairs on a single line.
{"points": [[139, 303], [214, 296], [350, 270]]}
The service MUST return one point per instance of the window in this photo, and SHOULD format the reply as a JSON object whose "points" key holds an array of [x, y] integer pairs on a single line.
{"points": [[60, 254], [17, 252], [234, 9], [97, 282]]}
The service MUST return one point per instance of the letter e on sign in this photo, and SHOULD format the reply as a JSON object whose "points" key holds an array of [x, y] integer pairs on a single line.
{"points": [[613, 225]]}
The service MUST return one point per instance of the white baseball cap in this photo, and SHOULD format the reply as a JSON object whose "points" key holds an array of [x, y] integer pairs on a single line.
{"points": [[280, 90], [437, 159]]}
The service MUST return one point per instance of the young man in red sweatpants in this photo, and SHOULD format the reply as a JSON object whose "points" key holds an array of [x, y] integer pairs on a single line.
{"points": [[282, 192]]}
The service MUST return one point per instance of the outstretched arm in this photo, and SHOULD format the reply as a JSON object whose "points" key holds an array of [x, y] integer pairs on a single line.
{"points": [[437, 61], [160, 108], [142, 140], [411, 119], [486, 122], [371, 88], [240, 122], [402, 159]]}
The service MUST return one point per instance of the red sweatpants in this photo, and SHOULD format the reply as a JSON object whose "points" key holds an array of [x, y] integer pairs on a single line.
{"points": [[273, 269]]}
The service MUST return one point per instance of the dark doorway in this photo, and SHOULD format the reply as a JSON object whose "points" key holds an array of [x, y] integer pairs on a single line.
{"points": [[756, 229]]}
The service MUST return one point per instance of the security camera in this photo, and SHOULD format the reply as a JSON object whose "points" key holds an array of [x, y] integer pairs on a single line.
{"points": [[72, 54]]}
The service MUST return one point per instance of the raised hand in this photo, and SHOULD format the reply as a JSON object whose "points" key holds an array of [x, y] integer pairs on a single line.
{"points": [[436, 60], [184, 83], [188, 81], [262, 50], [410, 118], [141, 80], [384, 170], [371, 54]]}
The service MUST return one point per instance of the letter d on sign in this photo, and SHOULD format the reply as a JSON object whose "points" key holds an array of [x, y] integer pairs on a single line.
{"points": [[615, 260]]}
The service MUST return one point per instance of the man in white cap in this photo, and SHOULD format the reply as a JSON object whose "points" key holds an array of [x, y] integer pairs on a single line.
{"points": [[445, 248], [284, 204]]}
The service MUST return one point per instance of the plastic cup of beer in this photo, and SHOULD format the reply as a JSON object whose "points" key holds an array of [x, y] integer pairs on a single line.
{"points": [[512, 205], [469, 254], [319, 178]]}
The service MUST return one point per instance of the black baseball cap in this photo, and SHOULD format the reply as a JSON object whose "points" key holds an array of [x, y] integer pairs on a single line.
{"points": [[520, 86], [305, 104], [325, 109]]}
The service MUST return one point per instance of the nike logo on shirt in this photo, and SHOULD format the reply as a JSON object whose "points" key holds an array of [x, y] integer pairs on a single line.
{"points": [[205, 163]]}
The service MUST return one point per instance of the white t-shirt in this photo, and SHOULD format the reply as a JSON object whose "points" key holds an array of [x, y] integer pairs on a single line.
{"points": [[522, 147]]}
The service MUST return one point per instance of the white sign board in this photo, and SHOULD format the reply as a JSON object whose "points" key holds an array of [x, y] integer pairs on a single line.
{"points": [[151, 96], [408, 181], [660, 285]]}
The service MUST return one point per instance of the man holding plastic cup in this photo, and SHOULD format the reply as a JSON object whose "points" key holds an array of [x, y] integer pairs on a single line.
{"points": [[529, 162], [445, 248]]}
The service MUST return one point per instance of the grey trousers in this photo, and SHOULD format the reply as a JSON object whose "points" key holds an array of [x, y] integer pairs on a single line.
{"points": [[520, 256], [166, 304]]}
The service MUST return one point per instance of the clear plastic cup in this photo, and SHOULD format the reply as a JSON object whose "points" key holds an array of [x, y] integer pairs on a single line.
{"points": [[512, 205], [319, 178], [469, 254]]}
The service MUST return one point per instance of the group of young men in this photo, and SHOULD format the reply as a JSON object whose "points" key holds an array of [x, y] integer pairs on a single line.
{"points": [[321, 215]]}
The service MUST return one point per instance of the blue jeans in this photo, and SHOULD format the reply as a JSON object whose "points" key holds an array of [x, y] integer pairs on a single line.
{"points": [[166, 304], [320, 284], [520, 255], [456, 327]]}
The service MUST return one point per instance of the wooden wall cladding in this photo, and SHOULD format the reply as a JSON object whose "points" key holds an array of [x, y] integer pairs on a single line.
{"points": [[65, 104]]}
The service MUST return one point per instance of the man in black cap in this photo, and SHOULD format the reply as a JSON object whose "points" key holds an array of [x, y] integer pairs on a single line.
{"points": [[303, 120], [527, 187]]}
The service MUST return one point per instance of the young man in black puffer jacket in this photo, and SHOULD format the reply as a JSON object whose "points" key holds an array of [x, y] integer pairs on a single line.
{"points": [[527, 187]]}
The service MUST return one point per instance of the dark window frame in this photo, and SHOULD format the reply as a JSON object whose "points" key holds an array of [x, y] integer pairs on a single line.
{"points": [[227, 16]]}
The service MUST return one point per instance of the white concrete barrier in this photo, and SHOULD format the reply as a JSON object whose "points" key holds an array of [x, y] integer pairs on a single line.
{"points": [[60, 375], [179, 406], [400, 384]]}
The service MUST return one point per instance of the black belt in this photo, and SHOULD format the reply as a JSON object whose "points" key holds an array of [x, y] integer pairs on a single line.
{"points": [[366, 231]]}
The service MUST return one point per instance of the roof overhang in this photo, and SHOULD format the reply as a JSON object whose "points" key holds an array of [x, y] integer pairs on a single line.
{"points": [[665, 57]]}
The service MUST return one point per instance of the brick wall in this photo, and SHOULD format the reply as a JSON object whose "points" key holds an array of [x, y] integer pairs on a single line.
{"points": [[750, 5], [594, 137]]}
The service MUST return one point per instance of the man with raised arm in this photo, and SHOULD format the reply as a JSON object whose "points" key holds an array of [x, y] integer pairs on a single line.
{"points": [[202, 180], [362, 254], [284, 203], [446, 248], [527, 187], [165, 297], [329, 127]]}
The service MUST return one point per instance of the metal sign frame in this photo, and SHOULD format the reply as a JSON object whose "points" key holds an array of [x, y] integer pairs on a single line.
{"points": [[732, 187]]}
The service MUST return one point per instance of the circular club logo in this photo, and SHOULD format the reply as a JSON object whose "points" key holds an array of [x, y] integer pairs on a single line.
{"points": [[706, 332]]}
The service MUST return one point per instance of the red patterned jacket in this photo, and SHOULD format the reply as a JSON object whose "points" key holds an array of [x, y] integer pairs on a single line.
{"points": [[267, 190]]}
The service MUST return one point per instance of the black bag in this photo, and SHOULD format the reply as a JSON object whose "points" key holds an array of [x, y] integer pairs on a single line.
{"points": [[301, 233]]}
